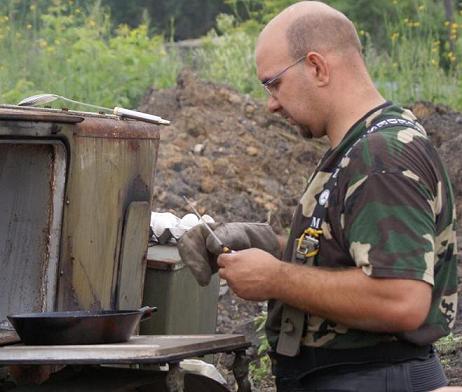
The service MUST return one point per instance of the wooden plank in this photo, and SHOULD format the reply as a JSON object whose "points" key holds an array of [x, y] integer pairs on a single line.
{"points": [[133, 258], [139, 349]]}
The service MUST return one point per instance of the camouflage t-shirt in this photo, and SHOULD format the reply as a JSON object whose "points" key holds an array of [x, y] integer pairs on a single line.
{"points": [[391, 214]]}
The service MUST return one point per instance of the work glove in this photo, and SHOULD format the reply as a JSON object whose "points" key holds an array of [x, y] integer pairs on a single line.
{"points": [[199, 250]]}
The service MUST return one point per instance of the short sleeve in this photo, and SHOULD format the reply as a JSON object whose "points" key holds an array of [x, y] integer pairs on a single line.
{"points": [[390, 225]]}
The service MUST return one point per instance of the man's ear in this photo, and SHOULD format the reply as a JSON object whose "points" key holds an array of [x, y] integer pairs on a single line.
{"points": [[319, 67]]}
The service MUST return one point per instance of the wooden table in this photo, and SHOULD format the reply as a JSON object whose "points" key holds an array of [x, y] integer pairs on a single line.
{"points": [[154, 349]]}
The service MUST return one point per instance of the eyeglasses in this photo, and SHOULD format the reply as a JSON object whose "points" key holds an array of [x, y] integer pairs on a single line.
{"points": [[271, 85]]}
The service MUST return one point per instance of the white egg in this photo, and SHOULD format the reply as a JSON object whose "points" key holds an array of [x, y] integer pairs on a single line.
{"points": [[177, 231], [161, 221], [188, 221], [207, 219]]}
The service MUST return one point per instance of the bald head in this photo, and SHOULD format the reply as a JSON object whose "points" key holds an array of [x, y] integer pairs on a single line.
{"points": [[309, 59], [313, 26]]}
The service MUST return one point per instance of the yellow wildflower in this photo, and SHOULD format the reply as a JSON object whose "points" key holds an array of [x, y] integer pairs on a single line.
{"points": [[42, 43], [451, 57]]}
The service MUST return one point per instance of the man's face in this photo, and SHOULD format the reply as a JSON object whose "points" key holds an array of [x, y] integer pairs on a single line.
{"points": [[287, 84]]}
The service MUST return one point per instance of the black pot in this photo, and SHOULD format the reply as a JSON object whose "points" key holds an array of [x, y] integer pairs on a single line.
{"points": [[81, 327]]}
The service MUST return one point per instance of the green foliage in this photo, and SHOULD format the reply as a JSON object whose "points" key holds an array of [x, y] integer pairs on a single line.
{"points": [[229, 58], [260, 369], [419, 63], [449, 344], [415, 57], [73, 52], [71, 47]]}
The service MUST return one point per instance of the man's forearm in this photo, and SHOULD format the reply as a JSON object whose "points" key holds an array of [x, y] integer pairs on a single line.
{"points": [[353, 299]]}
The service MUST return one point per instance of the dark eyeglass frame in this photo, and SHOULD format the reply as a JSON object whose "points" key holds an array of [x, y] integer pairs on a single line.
{"points": [[268, 84]]}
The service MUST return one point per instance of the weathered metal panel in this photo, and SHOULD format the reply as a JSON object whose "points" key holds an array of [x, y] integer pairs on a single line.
{"points": [[32, 180], [111, 165], [133, 256]]}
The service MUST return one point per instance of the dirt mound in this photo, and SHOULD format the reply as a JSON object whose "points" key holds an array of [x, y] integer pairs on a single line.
{"points": [[227, 153], [240, 163]]}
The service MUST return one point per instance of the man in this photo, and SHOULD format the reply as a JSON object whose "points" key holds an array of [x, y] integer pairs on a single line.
{"points": [[369, 278]]}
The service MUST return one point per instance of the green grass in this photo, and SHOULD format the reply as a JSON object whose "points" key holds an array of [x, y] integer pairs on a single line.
{"points": [[76, 53], [79, 54]]}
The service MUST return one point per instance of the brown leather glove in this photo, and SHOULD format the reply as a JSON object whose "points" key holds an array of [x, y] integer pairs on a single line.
{"points": [[199, 250]]}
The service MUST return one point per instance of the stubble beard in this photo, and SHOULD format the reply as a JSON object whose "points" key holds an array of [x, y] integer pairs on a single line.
{"points": [[305, 132]]}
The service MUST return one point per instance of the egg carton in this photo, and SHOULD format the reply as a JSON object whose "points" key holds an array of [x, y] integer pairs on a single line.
{"points": [[166, 227]]}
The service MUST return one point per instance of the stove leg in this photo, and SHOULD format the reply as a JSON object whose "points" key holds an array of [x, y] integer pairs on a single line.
{"points": [[241, 371], [175, 378]]}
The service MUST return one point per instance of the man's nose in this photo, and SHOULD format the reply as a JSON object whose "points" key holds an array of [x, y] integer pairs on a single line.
{"points": [[273, 104]]}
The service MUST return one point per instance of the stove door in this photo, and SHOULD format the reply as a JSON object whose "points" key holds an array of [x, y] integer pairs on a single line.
{"points": [[32, 184]]}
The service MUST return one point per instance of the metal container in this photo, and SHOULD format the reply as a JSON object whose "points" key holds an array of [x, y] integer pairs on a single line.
{"points": [[184, 307], [75, 196]]}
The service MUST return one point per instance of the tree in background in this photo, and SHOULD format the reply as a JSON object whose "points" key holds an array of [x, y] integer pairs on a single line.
{"points": [[176, 19], [183, 19]]}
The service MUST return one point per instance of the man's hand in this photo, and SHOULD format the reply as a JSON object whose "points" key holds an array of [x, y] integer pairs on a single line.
{"points": [[250, 273], [199, 249]]}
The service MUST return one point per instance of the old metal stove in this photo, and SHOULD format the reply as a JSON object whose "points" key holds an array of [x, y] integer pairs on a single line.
{"points": [[75, 201]]}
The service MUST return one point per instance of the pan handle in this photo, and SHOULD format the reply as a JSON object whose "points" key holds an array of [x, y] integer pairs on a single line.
{"points": [[147, 312]]}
